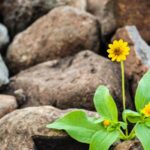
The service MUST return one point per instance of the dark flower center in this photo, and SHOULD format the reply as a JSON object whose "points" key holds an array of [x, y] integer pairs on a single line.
{"points": [[117, 51]]}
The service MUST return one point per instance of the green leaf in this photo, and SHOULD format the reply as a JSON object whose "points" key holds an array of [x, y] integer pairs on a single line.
{"points": [[143, 132], [142, 96], [132, 116], [77, 125], [105, 104], [103, 139], [147, 124]]}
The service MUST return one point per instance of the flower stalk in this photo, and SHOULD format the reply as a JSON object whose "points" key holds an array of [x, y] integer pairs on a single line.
{"points": [[123, 90], [123, 85]]}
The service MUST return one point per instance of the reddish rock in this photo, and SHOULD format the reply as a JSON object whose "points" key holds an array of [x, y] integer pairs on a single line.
{"points": [[64, 31], [19, 127], [118, 13], [7, 104], [69, 82], [129, 145], [19, 14], [136, 13], [138, 61]]}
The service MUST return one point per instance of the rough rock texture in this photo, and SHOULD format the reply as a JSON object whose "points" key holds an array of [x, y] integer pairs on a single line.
{"points": [[104, 11], [69, 82], [19, 14], [3, 73], [18, 128], [138, 61], [7, 104], [133, 13], [118, 13], [64, 31], [129, 145], [4, 37]]}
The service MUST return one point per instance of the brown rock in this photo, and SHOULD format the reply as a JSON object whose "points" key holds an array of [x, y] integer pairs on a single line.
{"points": [[69, 82], [7, 104], [138, 61], [129, 145], [18, 128], [62, 32], [19, 14], [136, 13]]}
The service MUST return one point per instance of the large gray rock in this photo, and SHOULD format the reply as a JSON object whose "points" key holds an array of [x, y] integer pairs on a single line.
{"points": [[4, 37], [104, 11], [138, 61], [19, 14], [69, 82], [62, 32], [18, 128], [4, 74]]}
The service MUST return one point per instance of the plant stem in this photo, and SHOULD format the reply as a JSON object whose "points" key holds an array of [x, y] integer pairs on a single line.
{"points": [[123, 90], [123, 86]]}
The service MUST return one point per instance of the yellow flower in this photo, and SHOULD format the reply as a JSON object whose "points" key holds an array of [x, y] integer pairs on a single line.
{"points": [[106, 123], [118, 50], [146, 110]]}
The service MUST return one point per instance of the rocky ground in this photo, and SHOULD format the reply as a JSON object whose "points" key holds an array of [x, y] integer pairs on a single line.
{"points": [[53, 57]]}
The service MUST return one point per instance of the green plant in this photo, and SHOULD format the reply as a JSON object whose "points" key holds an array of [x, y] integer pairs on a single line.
{"points": [[100, 133]]}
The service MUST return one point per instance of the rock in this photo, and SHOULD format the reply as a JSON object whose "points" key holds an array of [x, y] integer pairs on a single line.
{"points": [[18, 128], [129, 145], [4, 37], [104, 11], [137, 62], [7, 104], [19, 14], [3, 73], [69, 82], [137, 10], [62, 32], [112, 14]]}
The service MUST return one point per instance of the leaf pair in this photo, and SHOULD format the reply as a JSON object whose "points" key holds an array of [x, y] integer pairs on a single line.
{"points": [[78, 125], [90, 130]]}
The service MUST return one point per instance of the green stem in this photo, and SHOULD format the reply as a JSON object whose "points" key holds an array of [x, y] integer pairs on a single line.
{"points": [[123, 90], [123, 85]]}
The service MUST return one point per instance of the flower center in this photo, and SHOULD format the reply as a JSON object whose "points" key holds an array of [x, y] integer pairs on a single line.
{"points": [[117, 51]]}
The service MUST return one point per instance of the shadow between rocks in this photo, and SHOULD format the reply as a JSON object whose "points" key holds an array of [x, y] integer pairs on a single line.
{"points": [[57, 143]]}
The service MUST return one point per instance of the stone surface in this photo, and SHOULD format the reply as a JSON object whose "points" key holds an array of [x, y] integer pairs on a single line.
{"points": [[4, 74], [7, 104], [104, 11], [18, 128], [133, 13], [69, 82], [118, 13], [4, 37], [19, 14], [129, 145], [138, 61], [64, 31]]}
